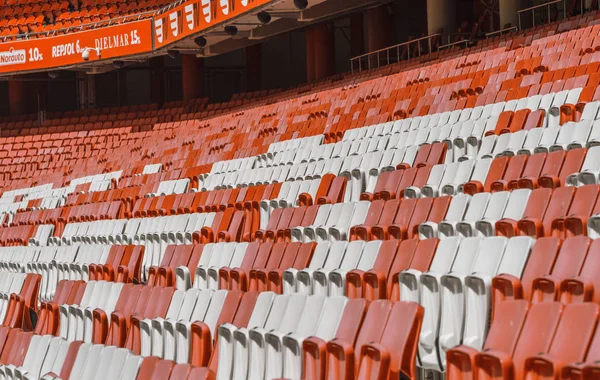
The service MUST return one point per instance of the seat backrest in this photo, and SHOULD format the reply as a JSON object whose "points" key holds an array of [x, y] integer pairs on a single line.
{"points": [[574, 332], [490, 254], [496, 171], [466, 255], [250, 255], [152, 366], [496, 205], [554, 162], [382, 182], [504, 331], [408, 179], [437, 154], [572, 163], [261, 258], [236, 226], [373, 325], [395, 257], [421, 212], [424, 254], [277, 253], [439, 209], [405, 212], [445, 254], [284, 218], [336, 191], [537, 332], [20, 348], [584, 198], [227, 311], [289, 255], [295, 309], [296, 218], [375, 210], [537, 203], [275, 217], [304, 255], [534, 166], [195, 256], [389, 212], [159, 305], [458, 207], [351, 320], [571, 257], [400, 337]]}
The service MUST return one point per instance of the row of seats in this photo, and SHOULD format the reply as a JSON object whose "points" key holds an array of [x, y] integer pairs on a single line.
{"points": [[534, 341], [267, 332], [28, 356], [562, 210], [81, 262]]}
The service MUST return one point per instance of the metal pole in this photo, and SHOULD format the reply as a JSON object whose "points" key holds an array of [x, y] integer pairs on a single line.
{"points": [[519, 15], [398, 53], [429, 44], [388, 56], [419, 46]]}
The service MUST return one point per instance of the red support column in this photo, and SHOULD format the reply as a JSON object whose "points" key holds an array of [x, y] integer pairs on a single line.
{"points": [[122, 86], [192, 77], [41, 101], [254, 67], [27, 94], [324, 51], [157, 80], [380, 27], [310, 54], [17, 97], [357, 34]]}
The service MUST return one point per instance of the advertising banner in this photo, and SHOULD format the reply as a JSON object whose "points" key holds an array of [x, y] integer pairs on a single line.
{"points": [[139, 37], [193, 16], [65, 50]]}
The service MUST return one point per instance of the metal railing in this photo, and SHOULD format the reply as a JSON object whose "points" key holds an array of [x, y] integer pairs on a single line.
{"points": [[451, 44], [501, 31], [540, 6], [397, 52]]}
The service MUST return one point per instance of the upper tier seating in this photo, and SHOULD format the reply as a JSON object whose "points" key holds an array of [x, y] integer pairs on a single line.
{"points": [[52, 17]]}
